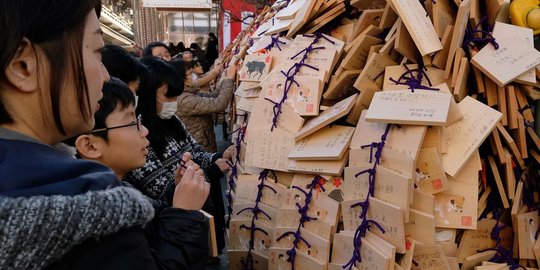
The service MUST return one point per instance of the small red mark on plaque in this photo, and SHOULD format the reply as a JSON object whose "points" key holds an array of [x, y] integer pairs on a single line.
{"points": [[466, 220], [437, 184]]}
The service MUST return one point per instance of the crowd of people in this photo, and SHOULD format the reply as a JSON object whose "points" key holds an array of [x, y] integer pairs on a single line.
{"points": [[106, 159]]}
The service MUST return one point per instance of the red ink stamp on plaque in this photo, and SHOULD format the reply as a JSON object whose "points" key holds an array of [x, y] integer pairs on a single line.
{"points": [[466, 221]]}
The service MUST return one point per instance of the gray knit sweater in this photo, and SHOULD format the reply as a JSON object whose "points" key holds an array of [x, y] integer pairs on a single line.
{"points": [[36, 231]]}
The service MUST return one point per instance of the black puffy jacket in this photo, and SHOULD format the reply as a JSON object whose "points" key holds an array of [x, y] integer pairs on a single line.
{"points": [[176, 239]]}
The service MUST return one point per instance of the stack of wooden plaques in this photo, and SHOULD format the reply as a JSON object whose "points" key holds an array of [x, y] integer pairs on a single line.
{"points": [[386, 135]]}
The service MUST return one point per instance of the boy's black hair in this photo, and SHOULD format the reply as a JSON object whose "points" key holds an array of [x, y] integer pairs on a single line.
{"points": [[191, 64], [121, 64], [115, 93], [147, 52]]}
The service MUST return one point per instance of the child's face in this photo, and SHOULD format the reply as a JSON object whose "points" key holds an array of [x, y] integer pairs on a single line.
{"points": [[198, 70], [126, 148]]}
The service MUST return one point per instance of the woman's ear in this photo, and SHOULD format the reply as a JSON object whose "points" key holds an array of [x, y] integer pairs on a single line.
{"points": [[88, 147], [22, 70]]}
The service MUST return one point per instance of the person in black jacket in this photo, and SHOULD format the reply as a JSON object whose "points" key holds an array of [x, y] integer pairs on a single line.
{"points": [[178, 236], [212, 50], [50, 85], [122, 65]]}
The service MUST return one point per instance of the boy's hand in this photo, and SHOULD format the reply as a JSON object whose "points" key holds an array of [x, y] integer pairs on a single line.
{"points": [[192, 191], [184, 164]]}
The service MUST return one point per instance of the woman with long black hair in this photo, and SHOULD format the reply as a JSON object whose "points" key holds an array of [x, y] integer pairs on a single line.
{"points": [[158, 94]]}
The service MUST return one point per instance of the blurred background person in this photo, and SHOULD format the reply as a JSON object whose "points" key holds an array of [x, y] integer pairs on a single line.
{"points": [[212, 51], [157, 49]]}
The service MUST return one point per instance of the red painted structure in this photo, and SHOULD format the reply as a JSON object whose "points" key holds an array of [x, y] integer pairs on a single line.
{"points": [[235, 8]]}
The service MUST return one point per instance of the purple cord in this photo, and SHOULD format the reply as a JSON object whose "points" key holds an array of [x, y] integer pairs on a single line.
{"points": [[291, 253], [366, 223], [503, 254], [293, 71], [234, 172], [275, 43], [487, 37], [248, 262], [414, 82]]}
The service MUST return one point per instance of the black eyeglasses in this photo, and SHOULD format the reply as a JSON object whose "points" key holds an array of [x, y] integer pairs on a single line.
{"points": [[137, 123]]}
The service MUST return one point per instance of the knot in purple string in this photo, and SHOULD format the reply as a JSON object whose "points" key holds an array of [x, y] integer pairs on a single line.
{"points": [[414, 82], [303, 210], [316, 183], [291, 73], [274, 43], [264, 174], [303, 214], [297, 238], [291, 253], [470, 36], [366, 223]]}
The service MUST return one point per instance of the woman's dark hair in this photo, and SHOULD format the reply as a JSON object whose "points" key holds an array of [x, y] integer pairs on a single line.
{"points": [[180, 67], [194, 46], [115, 93], [181, 47], [121, 64], [159, 73], [147, 52], [57, 27], [212, 35]]}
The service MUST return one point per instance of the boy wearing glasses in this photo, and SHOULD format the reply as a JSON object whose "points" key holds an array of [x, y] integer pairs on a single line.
{"points": [[178, 235]]}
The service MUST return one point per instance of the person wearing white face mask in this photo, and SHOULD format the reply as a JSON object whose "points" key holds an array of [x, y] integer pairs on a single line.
{"points": [[168, 136], [168, 109]]}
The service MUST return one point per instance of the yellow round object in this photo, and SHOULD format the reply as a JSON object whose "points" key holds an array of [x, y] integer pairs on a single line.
{"points": [[533, 18], [521, 10]]}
